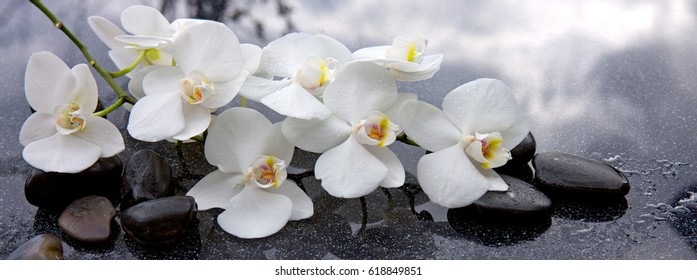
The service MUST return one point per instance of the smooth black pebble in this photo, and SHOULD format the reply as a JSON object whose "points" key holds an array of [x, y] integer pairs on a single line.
{"points": [[147, 176], [42, 247], [564, 174], [159, 221], [57, 190], [88, 219]]}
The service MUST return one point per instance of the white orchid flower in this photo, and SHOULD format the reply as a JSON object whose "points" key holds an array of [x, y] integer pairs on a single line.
{"points": [[404, 58], [62, 135], [353, 140], [178, 100], [250, 183], [473, 133], [305, 65]]}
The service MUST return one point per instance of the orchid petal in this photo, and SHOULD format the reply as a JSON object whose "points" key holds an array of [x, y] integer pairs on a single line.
{"points": [[122, 58], [225, 91], [61, 153], [316, 135], [496, 183], [196, 119], [38, 126], [450, 179], [349, 170], [295, 101], [283, 56], [144, 20], [483, 105], [85, 92], [428, 126], [302, 204], [255, 88], [164, 80], [156, 117], [358, 89], [251, 55], [277, 145], [210, 47], [395, 170], [104, 134], [255, 213], [48, 82], [515, 134], [135, 85], [216, 189], [375, 54], [238, 136], [141, 42], [392, 113], [106, 31]]}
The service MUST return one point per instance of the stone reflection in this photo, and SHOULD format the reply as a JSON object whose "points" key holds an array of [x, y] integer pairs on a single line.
{"points": [[596, 210], [684, 215], [495, 233], [188, 247]]}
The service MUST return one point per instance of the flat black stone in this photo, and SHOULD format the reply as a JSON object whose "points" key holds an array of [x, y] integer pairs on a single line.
{"points": [[147, 176], [159, 221], [57, 190], [42, 247], [564, 174], [522, 203], [88, 219], [523, 152]]}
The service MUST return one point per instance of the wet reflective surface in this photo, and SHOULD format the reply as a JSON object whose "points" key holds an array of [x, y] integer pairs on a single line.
{"points": [[609, 80]]}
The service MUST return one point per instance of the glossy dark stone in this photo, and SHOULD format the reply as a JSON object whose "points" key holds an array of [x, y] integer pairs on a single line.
{"points": [[522, 203], [564, 174], [524, 151], [147, 176], [42, 247], [88, 219], [159, 221], [57, 190]]}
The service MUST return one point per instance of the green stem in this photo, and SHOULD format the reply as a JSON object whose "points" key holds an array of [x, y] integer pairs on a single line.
{"points": [[405, 139], [130, 67], [109, 109], [102, 72], [243, 102]]}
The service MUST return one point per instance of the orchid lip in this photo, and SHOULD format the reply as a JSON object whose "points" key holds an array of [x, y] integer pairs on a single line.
{"points": [[267, 171], [376, 130], [487, 149], [69, 118]]}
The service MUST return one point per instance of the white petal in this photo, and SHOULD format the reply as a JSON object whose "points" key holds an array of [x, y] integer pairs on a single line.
{"points": [[196, 118], [61, 153], [283, 56], [426, 69], [316, 135], [216, 189], [349, 170], [142, 42], [122, 58], [515, 134], [85, 92], [395, 169], [277, 145], [393, 112], [210, 47], [37, 126], [164, 80], [255, 88], [135, 85], [103, 134], [496, 183], [237, 137], [156, 117], [427, 125], [302, 204], [225, 91], [450, 179], [48, 82], [144, 20], [251, 55], [255, 213], [371, 53], [483, 105], [295, 101], [106, 31], [358, 89]]}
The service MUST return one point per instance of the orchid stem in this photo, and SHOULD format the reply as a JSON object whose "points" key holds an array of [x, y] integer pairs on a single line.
{"points": [[102, 72], [405, 139], [130, 67], [243, 102], [198, 138], [111, 108]]}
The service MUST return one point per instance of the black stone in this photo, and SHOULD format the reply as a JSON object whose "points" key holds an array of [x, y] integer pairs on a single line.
{"points": [[561, 174], [523, 152], [494, 234], [57, 190], [147, 176], [42, 247], [88, 219], [522, 203], [159, 221]]}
